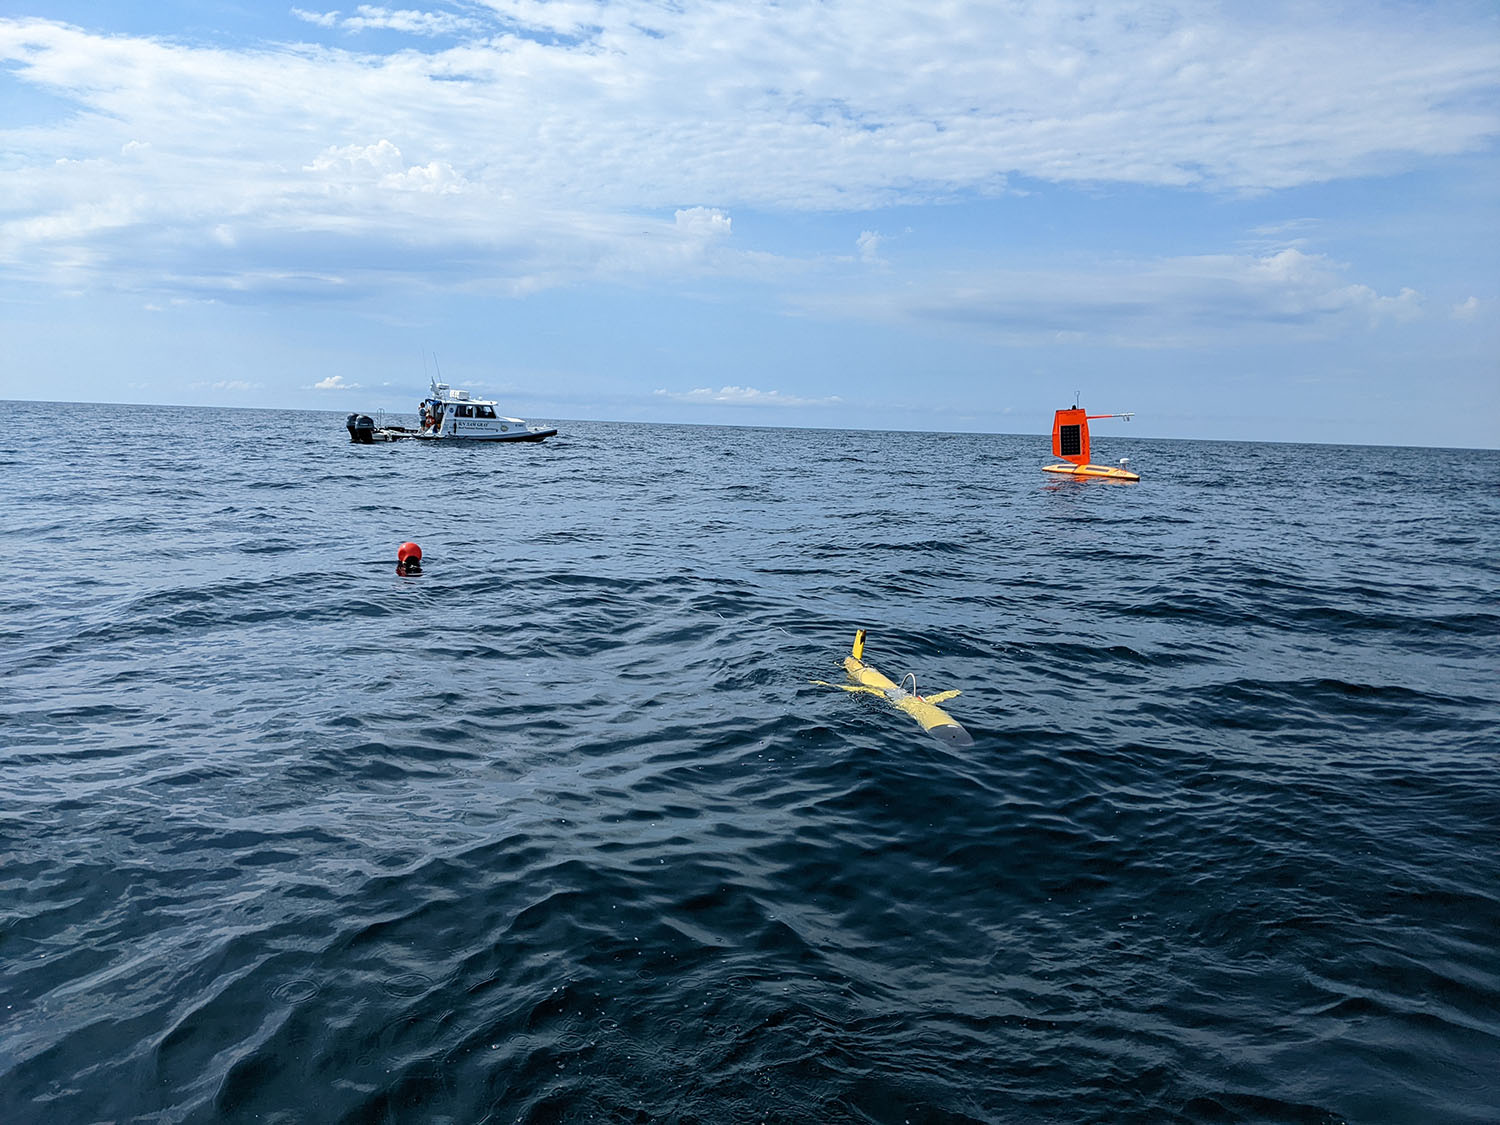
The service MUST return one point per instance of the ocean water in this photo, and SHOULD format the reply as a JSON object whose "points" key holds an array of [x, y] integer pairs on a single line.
{"points": [[563, 830]]}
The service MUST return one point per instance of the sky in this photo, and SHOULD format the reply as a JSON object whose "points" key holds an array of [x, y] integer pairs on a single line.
{"points": [[1244, 220]]}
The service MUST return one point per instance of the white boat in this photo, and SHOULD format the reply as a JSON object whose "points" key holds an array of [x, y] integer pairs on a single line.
{"points": [[450, 415]]}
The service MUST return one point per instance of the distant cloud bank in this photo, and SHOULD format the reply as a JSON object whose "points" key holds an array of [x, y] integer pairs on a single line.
{"points": [[744, 396], [1168, 302]]}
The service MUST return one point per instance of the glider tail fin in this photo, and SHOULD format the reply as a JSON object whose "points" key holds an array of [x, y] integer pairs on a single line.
{"points": [[859, 644]]}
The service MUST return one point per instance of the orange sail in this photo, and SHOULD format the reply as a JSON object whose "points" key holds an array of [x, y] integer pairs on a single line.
{"points": [[1070, 435]]}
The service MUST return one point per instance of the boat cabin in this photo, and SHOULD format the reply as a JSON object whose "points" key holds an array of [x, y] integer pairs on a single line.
{"points": [[457, 414]]}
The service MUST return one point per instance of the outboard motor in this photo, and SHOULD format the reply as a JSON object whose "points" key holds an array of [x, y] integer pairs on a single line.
{"points": [[361, 429]]}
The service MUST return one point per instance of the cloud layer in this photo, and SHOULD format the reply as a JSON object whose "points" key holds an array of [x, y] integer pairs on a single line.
{"points": [[548, 142], [744, 396], [1177, 302]]}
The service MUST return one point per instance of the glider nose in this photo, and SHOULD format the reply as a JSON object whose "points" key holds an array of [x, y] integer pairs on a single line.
{"points": [[951, 734]]}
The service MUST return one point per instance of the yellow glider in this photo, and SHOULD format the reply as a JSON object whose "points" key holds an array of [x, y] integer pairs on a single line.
{"points": [[933, 719]]}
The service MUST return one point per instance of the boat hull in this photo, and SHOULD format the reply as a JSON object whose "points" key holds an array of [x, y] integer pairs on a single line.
{"points": [[1098, 472], [399, 433], [489, 439]]}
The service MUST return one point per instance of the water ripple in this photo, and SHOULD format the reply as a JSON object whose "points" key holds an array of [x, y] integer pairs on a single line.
{"points": [[565, 830]]}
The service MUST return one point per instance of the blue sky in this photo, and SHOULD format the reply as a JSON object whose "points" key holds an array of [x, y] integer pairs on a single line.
{"points": [[1246, 221]]}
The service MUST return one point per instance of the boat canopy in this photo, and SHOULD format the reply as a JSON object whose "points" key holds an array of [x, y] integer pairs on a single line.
{"points": [[443, 393]]}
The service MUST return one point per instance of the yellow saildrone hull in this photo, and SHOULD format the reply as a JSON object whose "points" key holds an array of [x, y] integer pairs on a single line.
{"points": [[1103, 472]]}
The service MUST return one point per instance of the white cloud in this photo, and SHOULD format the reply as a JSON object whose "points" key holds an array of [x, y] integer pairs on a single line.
{"points": [[434, 177], [227, 385], [379, 159], [381, 165], [1405, 306], [744, 396], [1172, 302], [702, 222], [334, 383], [564, 17], [1466, 310], [869, 246], [1286, 228], [370, 17], [321, 19], [525, 155], [412, 22]]}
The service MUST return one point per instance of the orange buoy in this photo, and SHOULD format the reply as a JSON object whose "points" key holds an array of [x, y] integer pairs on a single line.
{"points": [[408, 558]]}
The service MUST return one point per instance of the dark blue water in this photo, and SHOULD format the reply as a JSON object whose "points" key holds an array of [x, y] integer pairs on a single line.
{"points": [[561, 831]]}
